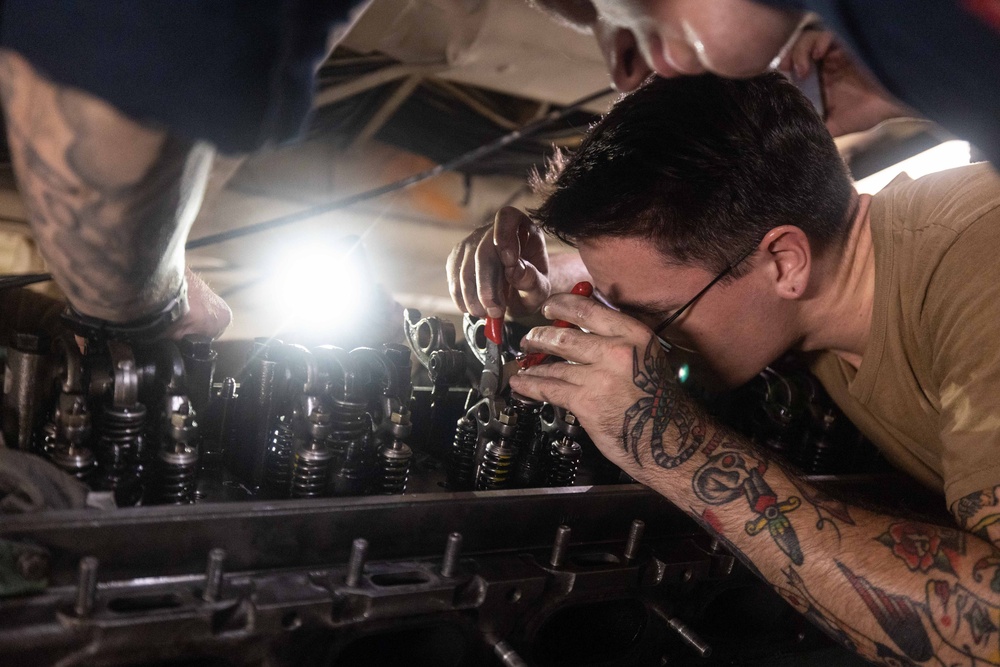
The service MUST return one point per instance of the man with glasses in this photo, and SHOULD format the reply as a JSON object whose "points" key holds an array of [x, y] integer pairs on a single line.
{"points": [[717, 216]]}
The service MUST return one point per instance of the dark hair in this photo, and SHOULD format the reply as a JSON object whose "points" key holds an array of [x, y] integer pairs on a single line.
{"points": [[704, 167]]}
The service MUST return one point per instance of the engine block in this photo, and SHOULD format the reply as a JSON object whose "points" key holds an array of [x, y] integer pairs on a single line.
{"points": [[314, 508]]}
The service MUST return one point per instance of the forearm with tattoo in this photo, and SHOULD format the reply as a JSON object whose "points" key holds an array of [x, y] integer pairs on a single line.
{"points": [[899, 592], [110, 200]]}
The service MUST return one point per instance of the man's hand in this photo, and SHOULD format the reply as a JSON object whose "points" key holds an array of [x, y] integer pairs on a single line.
{"points": [[208, 313], [617, 378], [854, 101], [510, 252]]}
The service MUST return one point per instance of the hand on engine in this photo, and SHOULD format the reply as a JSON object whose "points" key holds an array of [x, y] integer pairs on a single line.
{"points": [[208, 314], [619, 384], [500, 266]]}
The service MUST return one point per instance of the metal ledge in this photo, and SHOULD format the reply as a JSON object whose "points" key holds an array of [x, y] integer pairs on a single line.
{"points": [[165, 541]]}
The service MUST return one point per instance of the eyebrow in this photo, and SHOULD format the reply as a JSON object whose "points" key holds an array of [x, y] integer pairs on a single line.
{"points": [[630, 307], [644, 308]]}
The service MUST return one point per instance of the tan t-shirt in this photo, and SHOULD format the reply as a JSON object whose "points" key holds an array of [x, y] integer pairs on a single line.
{"points": [[928, 389]]}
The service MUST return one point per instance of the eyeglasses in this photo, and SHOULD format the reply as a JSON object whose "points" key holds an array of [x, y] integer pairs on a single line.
{"points": [[677, 313]]}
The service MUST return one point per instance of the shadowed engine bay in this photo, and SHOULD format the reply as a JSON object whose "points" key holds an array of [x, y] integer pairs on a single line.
{"points": [[318, 507]]}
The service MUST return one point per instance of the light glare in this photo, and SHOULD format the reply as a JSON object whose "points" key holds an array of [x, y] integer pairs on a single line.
{"points": [[318, 289], [683, 373], [947, 155]]}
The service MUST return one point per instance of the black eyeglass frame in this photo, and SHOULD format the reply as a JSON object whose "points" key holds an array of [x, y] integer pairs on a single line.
{"points": [[680, 311]]}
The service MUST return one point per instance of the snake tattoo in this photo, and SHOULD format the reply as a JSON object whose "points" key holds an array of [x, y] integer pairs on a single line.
{"points": [[663, 405]]}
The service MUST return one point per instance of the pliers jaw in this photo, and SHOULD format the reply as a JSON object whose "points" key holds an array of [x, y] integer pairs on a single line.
{"points": [[485, 339]]}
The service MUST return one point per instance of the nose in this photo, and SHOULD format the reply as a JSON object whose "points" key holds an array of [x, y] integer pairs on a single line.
{"points": [[625, 62]]}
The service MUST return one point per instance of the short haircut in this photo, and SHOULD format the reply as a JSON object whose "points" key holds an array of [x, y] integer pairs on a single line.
{"points": [[703, 167]]}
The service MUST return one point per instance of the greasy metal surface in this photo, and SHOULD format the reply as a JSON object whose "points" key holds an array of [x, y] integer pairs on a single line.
{"points": [[290, 615], [22, 388], [292, 533]]}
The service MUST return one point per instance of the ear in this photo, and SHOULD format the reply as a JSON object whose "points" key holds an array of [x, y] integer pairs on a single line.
{"points": [[788, 253]]}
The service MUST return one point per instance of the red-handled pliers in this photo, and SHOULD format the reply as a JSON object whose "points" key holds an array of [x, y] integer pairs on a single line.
{"points": [[492, 380], [583, 288]]}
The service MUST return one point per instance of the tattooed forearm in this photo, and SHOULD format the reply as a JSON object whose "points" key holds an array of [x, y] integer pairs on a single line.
{"points": [[795, 593], [897, 615], [924, 546], [727, 475], [896, 591], [651, 416], [730, 475], [979, 513], [848, 635], [110, 200], [966, 622], [828, 510], [987, 564]]}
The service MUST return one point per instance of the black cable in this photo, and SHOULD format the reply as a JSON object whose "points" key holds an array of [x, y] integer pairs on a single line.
{"points": [[344, 202], [267, 225], [13, 280]]}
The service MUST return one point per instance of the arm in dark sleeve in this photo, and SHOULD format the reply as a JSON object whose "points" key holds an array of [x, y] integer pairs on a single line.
{"points": [[110, 200], [112, 109], [239, 75]]}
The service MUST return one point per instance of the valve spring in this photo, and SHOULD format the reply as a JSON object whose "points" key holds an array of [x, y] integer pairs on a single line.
{"points": [[348, 424], [311, 470], [819, 457], [527, 422], [461, 474], [564, 460], [354, 475], [76, 461], [780, 445], [494, 471], [774, 427], [121, 445], [277, 479], [175, 479], [47, 438], [394, 463], [532, 463]]}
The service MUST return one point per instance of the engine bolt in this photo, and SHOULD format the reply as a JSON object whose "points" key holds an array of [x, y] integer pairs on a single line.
{"points": [[451, 552], [86, 587], [635, 532], [356, 564], [213, 575], [560, 546]]}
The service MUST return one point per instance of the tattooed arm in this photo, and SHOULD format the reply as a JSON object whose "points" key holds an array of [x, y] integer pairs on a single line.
{"points": [[111, 201], [896, 591]]}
